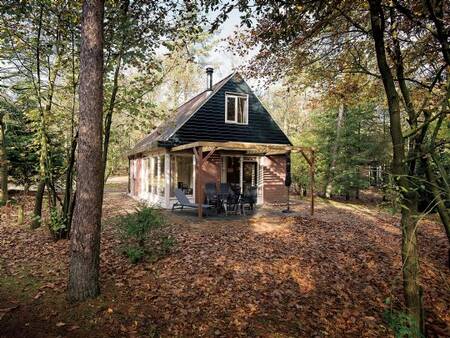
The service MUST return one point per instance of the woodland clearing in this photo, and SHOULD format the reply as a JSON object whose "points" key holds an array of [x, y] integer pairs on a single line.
{"points": [[269, 276]]}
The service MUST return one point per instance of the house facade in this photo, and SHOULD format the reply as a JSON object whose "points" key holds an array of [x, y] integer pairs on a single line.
{"points": [[222, 135]]}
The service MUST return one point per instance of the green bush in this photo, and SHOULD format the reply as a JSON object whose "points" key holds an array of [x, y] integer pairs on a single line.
{"points": [[134, 253], [140, 231], [400, 322], [57, 224]]}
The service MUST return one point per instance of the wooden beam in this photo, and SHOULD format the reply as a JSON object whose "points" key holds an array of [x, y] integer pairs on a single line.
{"points": [[209, 154], [234, 146], [199, 179], [306, 157], [195, 153]]}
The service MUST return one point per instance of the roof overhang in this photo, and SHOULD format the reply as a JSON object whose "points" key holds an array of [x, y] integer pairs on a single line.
{"points": [[249, 148], [151, 148]]}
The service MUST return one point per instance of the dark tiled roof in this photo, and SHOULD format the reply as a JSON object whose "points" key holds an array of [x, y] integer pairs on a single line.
{"points": [[164, 131]]}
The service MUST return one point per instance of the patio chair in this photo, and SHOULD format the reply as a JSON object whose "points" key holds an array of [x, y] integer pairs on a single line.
{"points": [[224, 189], [211, 193], [232, 202], [250, 197], [183, 201]]}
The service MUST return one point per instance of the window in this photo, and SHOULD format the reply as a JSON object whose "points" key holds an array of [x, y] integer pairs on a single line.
{"points": [[181, 176], [236, 108], [161, 175], [152, 174]]}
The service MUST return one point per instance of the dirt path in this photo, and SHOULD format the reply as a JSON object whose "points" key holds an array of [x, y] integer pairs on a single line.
{"points": [[268, 276]]}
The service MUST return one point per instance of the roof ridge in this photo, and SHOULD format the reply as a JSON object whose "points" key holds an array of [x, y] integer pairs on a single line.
{"points": [[177, 117]]}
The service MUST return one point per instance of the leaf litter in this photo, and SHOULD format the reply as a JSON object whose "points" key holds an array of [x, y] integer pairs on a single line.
{"points": [[268, 276]]}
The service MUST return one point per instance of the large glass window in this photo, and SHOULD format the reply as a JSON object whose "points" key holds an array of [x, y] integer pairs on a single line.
{"points": [[161, 175], [236, 109], [152, 175], [181, 174]]}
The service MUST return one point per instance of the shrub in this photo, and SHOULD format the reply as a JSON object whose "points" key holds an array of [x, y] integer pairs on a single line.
{"points": [[134, 253], [57, 224], [400, 322], [138, 228]]}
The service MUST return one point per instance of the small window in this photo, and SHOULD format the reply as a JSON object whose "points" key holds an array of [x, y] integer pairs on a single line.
{"points": [[236, 108]]}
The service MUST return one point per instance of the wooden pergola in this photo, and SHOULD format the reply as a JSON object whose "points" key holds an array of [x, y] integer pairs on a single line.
{"points": [[200, 147]]}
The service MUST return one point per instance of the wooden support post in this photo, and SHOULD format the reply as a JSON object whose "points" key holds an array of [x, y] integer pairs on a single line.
{"points": [[199, 162], [311, 168], [198, 179]]}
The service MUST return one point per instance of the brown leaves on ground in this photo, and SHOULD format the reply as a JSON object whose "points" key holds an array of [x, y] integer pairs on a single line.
{"points": [[269, 275]]}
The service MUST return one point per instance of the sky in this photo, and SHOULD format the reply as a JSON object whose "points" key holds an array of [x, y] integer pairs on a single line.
{"points": [[220, 55]]}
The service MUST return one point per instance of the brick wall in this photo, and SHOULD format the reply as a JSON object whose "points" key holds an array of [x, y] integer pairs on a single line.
{"points": [[211, 170], [274, 172]]}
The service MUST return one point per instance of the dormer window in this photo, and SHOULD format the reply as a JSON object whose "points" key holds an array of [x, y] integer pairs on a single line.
{"points": [[236, 108]]}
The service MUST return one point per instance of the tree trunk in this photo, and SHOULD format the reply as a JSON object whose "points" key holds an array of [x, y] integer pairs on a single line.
{"points": [[69, 187], [109, 114], [85, 234], [329, 176], [411, 270], [37, 213], [410, 259], [443, 211], [3, 164]]}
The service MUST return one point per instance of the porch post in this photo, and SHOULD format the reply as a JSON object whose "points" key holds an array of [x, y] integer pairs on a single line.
{"points": [[198, 179], [241, 173]]}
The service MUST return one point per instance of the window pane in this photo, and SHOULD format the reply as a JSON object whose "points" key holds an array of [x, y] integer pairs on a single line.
{"points": [[242, 102], [150, 174], [181, 169], [161, 176], [231, 109]]}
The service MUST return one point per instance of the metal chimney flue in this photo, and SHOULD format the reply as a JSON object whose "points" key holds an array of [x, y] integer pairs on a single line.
{"points": [[209, 77]]}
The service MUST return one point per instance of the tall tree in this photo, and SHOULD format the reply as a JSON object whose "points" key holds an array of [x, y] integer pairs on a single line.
{"points": [[410, 256], [36, 54], [3, 161], [85, 233], [402, 50]]}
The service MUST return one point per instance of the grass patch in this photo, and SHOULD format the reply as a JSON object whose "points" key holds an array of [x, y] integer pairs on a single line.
{"points": [[22, 286]]}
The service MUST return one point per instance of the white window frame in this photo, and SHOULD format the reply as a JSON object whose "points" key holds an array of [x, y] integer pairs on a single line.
{"points": [[236, 96]]}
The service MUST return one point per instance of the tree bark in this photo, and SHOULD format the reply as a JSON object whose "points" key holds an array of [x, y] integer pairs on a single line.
{"points": [[69, 186], [410, 259], [85, 234], [3, 164], [37, 213]]}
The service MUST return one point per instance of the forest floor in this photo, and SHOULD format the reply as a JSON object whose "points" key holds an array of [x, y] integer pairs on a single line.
{"points": [[335, 274]]}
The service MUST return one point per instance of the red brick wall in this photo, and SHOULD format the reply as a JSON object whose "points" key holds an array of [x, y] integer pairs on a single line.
{"points": [[211, 170], [274, 172]]}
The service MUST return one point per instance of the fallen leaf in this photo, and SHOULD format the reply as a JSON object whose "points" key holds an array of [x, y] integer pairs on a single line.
{"points": [[73, 327], [4, 311]]}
